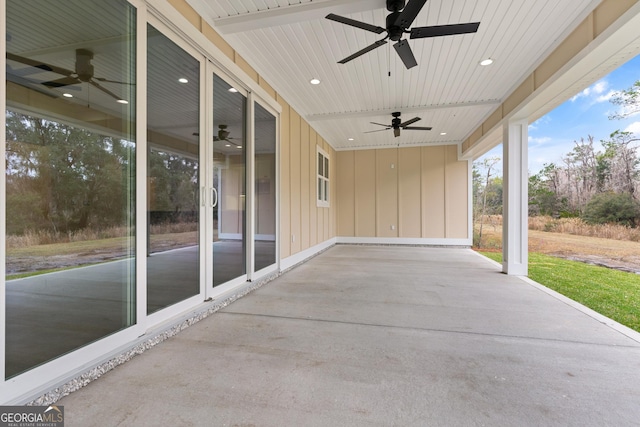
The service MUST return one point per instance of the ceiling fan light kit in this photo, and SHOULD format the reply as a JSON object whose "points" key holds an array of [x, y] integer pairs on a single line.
{"points": [[397, 24]]}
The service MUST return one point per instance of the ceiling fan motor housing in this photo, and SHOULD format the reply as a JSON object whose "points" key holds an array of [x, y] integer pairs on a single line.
{"points": [[84, 69], [223, 133], [395, 32], [395, 5]]}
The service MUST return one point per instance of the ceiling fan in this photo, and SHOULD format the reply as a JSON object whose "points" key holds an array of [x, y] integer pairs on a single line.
{"points": [[223, 135], [397, 124], [83, 72], [398, 23]]}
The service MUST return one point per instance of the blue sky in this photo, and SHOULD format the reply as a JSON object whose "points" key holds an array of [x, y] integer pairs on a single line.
{"points": [[553, 135]]}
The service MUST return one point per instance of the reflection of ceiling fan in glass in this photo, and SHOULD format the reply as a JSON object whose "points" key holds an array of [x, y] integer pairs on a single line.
{"points": [[83, 73], [223, 135]]}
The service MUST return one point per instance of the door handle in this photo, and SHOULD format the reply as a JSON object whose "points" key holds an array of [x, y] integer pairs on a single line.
{"points": [[214, 197]]}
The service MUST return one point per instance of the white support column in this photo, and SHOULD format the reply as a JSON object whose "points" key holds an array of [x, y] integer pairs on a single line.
{"points": [[515, 236]]}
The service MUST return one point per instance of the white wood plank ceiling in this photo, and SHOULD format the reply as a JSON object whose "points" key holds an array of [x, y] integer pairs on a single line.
{"points": [[290, 42]]}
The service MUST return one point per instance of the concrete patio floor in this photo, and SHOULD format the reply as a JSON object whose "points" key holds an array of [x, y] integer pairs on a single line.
{"points": [[381, 336]]}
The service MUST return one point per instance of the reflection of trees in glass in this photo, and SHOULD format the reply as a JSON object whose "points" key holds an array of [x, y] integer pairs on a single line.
{"points": [[62, 178], [174, 187]]}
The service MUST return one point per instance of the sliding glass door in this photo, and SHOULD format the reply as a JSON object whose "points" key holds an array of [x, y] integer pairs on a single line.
{"points": [[109, 232], [228, 185]]}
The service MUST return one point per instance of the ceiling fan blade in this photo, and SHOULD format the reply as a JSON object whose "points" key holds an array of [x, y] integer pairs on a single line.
{"points": [[105, 90], [405, 53], [65, 81], [444, 30], [30, 85], [409, 13], [377, 130], [39, 64], [396, 132], [408, 122], [380, 124], [363, 51], [354, 23], [103, 80], [416, 128]]}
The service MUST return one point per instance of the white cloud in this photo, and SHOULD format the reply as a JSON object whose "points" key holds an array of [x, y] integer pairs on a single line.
{"points": [[546, 119], [607, 96], [539, 141], [595, 92], [633, 128]]}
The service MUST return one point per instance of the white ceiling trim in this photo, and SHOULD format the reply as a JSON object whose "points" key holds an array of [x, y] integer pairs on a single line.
{"points": [[368, 113], [396, 145], [317, 9]]}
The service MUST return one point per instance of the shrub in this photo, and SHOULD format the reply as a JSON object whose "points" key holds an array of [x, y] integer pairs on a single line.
{"points": [[611, 208]]}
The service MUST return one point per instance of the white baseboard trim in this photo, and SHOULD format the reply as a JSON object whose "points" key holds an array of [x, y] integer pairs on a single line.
{"points": [[230, 236], [404, 241], [238, 236], [287, 263]]}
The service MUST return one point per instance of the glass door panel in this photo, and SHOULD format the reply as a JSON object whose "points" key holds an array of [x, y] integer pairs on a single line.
{"points": [[229, 182], [70, 176], [173, 109], [265, 188]]}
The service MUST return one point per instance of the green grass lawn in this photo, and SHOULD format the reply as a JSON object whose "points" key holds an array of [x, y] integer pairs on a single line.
{"points": [[612, 293]]}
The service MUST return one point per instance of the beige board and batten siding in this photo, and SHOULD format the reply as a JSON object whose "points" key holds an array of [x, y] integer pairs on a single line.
{"points": [[417, 192], [285, 187], [409, 206], [302, 223], [305, 208], [312, 185], [386, 193], [294, 179]]}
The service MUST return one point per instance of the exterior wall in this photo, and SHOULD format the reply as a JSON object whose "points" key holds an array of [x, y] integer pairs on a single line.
{"points": [[417, 192], [302, 224]]}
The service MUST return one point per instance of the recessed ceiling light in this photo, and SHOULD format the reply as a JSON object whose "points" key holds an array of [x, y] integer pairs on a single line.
{"points": [[123, 101], [487, 61], [314, 81], [227, 145], [233, 90], [239, 146], [350, 139], [443, 133], [183, 80], [67, 95]]}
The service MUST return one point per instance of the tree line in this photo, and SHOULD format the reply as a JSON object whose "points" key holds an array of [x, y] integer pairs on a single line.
{"points": [[599, 186], [63, 179]]}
